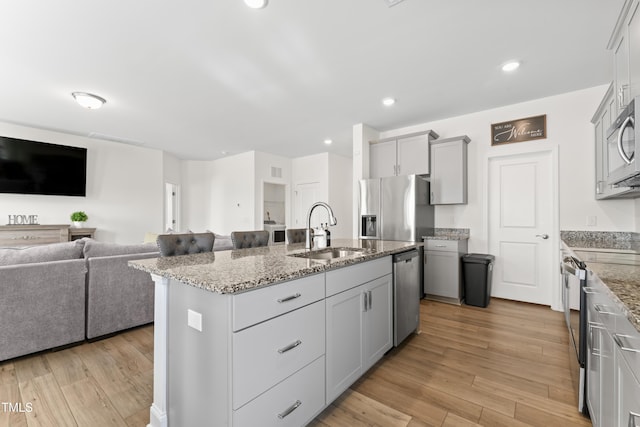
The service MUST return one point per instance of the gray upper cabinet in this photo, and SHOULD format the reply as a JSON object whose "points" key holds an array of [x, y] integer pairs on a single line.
{"points": [[625, 45], [606, 156], [402, 155], [449, 171]]}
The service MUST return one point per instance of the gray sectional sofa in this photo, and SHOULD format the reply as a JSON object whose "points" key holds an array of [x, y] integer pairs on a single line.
{"points": [[63, 293]]}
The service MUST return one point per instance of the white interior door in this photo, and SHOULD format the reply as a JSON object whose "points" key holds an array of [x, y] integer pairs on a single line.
{"points": [[521, 226]]}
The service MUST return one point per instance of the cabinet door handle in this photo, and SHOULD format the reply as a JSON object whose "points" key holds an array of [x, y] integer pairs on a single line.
{"points": [[289, 298], [365, 301], [618, 339], [633, 416], [289, 410], [290, 346], [432, 197], [370, 299], [398, 170]]}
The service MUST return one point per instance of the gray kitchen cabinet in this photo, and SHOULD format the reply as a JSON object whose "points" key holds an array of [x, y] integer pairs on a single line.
{"points": [[359, 322], [449, 171], [607, 157], [613, 360], [401, 155], [442, 270], [625, 45], [628, 390]]}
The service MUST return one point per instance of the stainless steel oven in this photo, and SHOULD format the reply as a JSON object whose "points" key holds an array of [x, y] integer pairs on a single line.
{"points": [[623, 141], [574, 301]]}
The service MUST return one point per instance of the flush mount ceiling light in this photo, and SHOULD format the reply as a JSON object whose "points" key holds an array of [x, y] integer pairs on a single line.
{"points": [[510, 66], [328, 141], [256, 4], [88, 100], [392, 2], [388, 102]]}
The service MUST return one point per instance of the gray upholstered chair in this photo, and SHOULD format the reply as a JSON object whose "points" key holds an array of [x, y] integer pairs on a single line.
{"points": [[185, 244], [296, 235], [249, 239]]}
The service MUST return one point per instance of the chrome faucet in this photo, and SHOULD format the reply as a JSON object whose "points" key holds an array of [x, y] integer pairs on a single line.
{"points": [[332, 221]]}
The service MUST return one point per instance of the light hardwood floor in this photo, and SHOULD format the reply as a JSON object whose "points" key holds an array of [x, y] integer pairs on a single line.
{"points": [[505, 365]]}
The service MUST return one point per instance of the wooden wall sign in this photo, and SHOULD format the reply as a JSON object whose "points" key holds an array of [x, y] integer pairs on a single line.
{"points": [[519, 130]]}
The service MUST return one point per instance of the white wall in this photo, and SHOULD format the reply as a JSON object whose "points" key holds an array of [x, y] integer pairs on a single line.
{"points": [[341, 195], [124, 188], [195, 198], [569, 128]]}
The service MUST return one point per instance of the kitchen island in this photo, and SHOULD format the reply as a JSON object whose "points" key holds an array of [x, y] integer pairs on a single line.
{"points": [[266, 336]]}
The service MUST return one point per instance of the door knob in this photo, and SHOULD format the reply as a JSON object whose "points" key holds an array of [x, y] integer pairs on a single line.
{"points": [[544, 236]]}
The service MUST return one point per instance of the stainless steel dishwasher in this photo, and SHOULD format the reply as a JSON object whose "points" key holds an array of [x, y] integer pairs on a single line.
{"points": [[406, 294]]}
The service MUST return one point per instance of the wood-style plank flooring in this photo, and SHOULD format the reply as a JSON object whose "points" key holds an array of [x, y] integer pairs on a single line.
{"points": [[504, 365]]}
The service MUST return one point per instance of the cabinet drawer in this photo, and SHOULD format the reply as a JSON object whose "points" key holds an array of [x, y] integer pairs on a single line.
{"points": [[442, 245], [14, 238], [259, 305], [293, 402], [346, 278], [627, 340], [267, 353]]}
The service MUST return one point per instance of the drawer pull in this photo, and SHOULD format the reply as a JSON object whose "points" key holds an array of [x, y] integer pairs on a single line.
{"points": [[618, 339], [633, 418], [290, 297], [26, 238], [290, 347], [289, 410], [589, 290], [441, 246]]}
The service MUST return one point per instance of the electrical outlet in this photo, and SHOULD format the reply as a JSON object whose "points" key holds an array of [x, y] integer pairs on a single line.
{"points": [[592, 220], [194, 320]]}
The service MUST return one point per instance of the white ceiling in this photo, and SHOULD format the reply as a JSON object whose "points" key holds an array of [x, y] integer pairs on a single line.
{"points": [[196, 78]]}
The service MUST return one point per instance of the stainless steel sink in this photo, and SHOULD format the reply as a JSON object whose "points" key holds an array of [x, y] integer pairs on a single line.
{"points": [[330, 253]]}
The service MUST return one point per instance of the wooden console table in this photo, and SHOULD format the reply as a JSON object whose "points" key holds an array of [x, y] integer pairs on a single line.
{"points": [[32, 235], [79, 233]]}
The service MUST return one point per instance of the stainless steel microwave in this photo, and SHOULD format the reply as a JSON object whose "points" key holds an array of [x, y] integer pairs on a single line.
{"points": [[623, 141]]}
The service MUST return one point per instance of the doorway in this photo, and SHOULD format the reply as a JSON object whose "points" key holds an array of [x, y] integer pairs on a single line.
{"points": [[522, 216]]}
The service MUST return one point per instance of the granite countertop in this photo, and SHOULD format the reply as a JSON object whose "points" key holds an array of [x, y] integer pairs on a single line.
{"points": [[617, 265], [234, 271], [448, 234]]}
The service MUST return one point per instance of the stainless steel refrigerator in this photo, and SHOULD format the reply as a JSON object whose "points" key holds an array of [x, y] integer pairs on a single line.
{"points": [[397, 208]]}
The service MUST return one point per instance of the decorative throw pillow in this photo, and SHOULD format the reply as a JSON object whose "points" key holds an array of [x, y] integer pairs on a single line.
{"points": [[44, 253], [93, 248]]}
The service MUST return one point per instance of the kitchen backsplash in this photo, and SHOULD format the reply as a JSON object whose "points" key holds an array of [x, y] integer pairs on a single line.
{"points": [[601, 239]]}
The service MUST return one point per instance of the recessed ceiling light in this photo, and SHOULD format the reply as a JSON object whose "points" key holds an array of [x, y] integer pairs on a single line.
{"points": [[88, 100], [256, 4], [388, 101], [328, 141], [510, 66]]}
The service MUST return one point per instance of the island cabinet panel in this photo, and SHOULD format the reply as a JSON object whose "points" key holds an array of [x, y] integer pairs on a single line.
{"points": [[341, 279], [344, 341], [259, 305], [292, 403], [271, 351], [359, 322]]}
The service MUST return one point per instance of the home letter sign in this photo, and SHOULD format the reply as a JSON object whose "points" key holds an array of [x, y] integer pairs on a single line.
{"points": [[23, 220]]}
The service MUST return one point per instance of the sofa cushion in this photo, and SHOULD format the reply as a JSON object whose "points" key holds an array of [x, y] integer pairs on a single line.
{"points": [[51, 252], [94, 248]]}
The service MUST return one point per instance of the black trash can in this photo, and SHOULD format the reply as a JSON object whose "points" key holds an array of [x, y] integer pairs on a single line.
{"points": [[476, 273]]}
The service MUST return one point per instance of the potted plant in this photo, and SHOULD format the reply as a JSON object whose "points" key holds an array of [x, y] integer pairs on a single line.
{"points": [[79, 218]]}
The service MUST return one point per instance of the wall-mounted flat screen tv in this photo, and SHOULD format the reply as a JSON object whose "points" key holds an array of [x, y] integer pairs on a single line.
{"points": [[31, 167]]}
